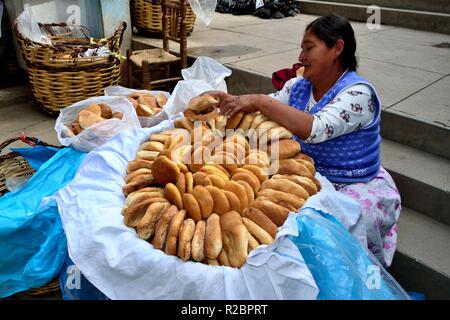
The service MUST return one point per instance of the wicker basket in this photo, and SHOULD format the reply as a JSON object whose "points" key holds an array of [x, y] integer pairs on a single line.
{"points": [[58, 75], [147, 17]]}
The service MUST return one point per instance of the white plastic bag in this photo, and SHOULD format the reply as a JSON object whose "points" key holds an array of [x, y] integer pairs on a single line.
{"points": [[184, 91], [204, 10], [208, 70], [99, 133], [146, 122], [123, 266], [29, 28]]}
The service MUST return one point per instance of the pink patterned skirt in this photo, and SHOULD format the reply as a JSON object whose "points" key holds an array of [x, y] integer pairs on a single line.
{"points": [[381, 206]]}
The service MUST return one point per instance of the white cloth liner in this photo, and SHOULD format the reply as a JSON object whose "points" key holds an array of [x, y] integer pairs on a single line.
{"points": [[122, 266]]}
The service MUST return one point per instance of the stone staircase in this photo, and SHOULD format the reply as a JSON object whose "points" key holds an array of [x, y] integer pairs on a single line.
{"points": [[433, 15]]}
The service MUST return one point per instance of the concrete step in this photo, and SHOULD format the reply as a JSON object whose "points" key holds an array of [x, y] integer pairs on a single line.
{"points": [[15, 95], [422, 260], [422, 179], [442, 6], [414, 19]]}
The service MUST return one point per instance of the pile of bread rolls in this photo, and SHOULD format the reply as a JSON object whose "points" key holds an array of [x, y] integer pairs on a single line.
{"points": [[146, 104], [92, 114], [214, 198]]}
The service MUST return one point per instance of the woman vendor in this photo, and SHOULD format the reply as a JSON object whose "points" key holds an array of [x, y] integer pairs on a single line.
{"points": [[335, 115]]}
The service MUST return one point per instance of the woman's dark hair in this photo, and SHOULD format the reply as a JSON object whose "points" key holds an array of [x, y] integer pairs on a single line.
{"points": [[332, 28]]}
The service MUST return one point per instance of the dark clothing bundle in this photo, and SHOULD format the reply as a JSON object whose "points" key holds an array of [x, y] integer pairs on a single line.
{"points": [[272, 9]]}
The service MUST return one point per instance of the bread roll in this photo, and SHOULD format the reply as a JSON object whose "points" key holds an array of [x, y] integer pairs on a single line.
{"points": [[246, 121], [106, 111], [138, 164], [192, 207], [223, 258], [211, 262], [172, 194], [189, 182], [248, 177], [136, 173], [146, 226], [95, 109], [233, 200], [198, 242], [152, 146], [305, 182], [235, 120], [302, 156], [258, 119], [283, 149], [162, 227], [256, 231], [148, 100], [117, 115], [275, 212], [287, 186], [201, 179], [279, 202], [204, 199], [273, 194], [217, 181], [308, 165], [133, 102], [234, 238], [221, 204], [171, 246], [134, 213], [165, 171], [147, 155], [142, 110], [239, 191], [213, 237], [161, 99], [184, 123], [252, 243], [134, 198], [257, 171], [88, 119], [139, 182], [181, 184], [202, 103], [185, 238], [258, 217], [210, 169], [248, 190]]}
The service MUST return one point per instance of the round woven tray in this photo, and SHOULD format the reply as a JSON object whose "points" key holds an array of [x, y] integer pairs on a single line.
{"points": [[147, 17], [59, 77]]}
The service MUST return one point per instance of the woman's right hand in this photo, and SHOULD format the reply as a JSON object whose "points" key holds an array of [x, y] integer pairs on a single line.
{"points": [[220, 96]]}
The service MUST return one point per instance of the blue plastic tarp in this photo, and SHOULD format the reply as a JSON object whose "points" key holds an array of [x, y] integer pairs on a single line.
{"points": [[33, 245]]}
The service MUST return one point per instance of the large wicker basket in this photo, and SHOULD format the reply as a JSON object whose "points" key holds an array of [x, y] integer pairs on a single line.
{"points": [[58, 75], [147, 17]]}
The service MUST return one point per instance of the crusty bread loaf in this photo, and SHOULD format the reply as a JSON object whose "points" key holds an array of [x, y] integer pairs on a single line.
{"points": [[204, 199], [272, 194], [291, 166], [283, 149], [106, 112], [235, 120], [305, 182], [139, 182], [171, 247], [136, 173], [198, 242], [248, 177], [138, 164], [201, 179], [259, 172], [256, 231], [181, 184], [213, 237], [146, 226], [185, 238], [87, 119], [152, 146], [192, 207], [172, 194], [239, 191], [248, 190], [258, 217], [220, 200], [165, 171], [276, 213], [252, 242], [287, 186], [162, 227], [189, 182], [233, 200], [234, 238]]}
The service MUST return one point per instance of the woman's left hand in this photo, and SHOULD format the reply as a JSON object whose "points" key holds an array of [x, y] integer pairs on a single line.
{"points": [[234, 104]]}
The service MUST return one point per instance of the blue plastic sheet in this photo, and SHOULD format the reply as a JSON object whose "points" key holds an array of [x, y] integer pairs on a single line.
{"points": [[37, 155], [33, 245], [341, 267]]}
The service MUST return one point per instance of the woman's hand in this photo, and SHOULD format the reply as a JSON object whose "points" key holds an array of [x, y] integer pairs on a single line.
{"points": [[234, 104]]}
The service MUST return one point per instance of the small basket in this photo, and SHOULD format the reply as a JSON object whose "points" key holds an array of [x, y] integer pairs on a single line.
{"points": [[147, 17], [59, 77]]}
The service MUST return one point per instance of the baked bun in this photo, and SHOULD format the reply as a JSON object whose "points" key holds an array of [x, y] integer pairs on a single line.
{"points": [[239, 191], [165, 171], [252, 242], [258, 217], [117, 115], [293, 167], [256, 231], [220, 200], [286, 186], [152, 146], [213, 237], [247, 176], [283, 149], [185, 238], [138, 182], [248, 190], [234, 238], [235, 120], [204, 199], [106, 111], [198, 242], [217, 181], [146, 226], [184, 123], [201, 179], [305, 182], [161, 99], [276, 195], [172, 194], [95, 109], [87, 119], [275, 212], [136, 173], [259, 172], [162, 227], [171, 247], [202, 108], [192, 207]]}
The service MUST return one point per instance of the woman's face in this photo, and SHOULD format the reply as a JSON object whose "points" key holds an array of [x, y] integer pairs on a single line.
{"points": [[317, 58]]}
